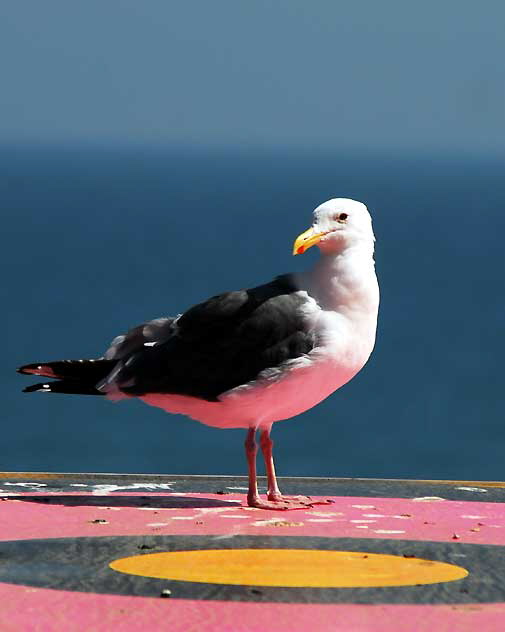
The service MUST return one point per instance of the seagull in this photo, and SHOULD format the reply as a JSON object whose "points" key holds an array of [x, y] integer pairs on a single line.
{"points": [[251, 357]]}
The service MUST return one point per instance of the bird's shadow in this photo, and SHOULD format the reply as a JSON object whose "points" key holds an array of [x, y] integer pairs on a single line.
{"points": [[159, 502]]}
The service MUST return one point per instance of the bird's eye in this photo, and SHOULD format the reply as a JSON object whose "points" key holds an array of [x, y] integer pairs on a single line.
{"points": [[341, 217]]}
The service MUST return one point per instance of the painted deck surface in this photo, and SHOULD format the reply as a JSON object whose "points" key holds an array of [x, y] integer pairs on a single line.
{"points": [[126, 552]]}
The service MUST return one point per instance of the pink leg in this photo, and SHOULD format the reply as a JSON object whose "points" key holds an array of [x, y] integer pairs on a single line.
{"points": [[251, 451], [275, 498], [274, 493], [253, 497]]}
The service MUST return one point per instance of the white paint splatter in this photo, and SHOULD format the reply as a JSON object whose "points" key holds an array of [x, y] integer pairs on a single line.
{"points": [[387, 531], [205, 510], [154, 508], [230, 516], [103, 490], [363, 506], [427, 499], [374, 516], [472, 489], [264, 523], [363, 521], [26, 484], [473, 517]]}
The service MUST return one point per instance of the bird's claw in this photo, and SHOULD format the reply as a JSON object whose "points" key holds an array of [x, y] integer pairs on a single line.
{"points": [[276, 505], [278, 502]]}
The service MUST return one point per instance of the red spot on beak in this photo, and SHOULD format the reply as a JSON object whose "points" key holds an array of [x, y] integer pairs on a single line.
{"points": [[300, 250]]}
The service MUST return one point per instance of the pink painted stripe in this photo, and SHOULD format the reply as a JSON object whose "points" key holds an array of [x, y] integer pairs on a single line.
{"points": [[32, 609], [390, 518], [25, 608]]}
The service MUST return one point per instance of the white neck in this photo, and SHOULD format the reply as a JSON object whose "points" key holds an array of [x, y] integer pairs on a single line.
{"points": [[345, 280]]}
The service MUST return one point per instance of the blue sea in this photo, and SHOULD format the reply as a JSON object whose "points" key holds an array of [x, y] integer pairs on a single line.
{"points": [[98, 239]]}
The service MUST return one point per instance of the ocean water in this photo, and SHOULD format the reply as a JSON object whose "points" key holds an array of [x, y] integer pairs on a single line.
{"points": [[96, 240]]}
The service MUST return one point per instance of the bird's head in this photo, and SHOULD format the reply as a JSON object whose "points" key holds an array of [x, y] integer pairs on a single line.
{"points": [[337, 223]]}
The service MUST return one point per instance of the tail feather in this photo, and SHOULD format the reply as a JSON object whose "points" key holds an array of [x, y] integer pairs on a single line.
{"points": [[74, 376], [63, 386], [71, 369]]}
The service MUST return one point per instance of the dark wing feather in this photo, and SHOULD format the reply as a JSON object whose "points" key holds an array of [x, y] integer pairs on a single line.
{"points": [[157, 330], [216, 345]]}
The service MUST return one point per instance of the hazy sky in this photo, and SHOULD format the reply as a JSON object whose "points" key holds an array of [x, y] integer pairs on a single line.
{"points": [[416, 76]]}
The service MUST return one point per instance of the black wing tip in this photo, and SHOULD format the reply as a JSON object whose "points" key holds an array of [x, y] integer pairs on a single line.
{"points": [[37, 368], [28, 369], [68, 387], [43, 388]]}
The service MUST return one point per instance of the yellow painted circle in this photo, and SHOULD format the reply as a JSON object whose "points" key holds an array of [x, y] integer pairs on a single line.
{"points": [[289, 567]]}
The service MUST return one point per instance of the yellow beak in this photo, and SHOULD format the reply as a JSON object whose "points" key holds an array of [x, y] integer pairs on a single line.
{"points": [[306, 240]]}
